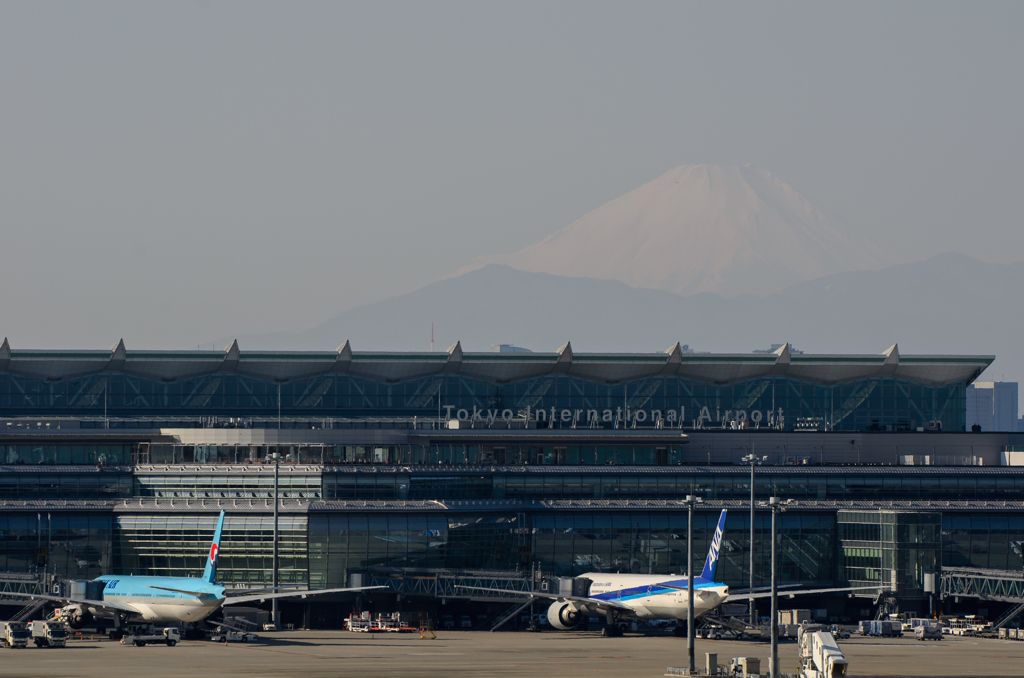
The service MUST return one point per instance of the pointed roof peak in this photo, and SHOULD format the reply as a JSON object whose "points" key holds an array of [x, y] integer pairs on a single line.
{"points": [[345, 351], [5, 350], [455, 352], [231, 352], [783, 353], [565, 352], [118, 351], [892, 355], [675, 354]]}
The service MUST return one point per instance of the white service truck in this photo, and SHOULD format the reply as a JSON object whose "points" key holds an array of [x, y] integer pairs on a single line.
{"points": [[820, 656], [169, 636], [15, 634], [49, 633]]}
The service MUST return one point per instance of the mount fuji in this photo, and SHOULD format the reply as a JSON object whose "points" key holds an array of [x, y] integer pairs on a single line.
{"points": [[701, 228]]}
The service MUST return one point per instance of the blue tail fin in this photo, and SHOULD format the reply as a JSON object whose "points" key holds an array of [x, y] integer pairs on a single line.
{"points": [[210, 573], [711, 564]]}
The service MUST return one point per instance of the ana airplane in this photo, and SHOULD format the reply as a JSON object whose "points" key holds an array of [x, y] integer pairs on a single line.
{"points": [[646, 597], [170, 599]]}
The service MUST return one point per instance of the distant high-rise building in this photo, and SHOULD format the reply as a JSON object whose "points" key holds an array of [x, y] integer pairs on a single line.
{"points": [[992, 405]]}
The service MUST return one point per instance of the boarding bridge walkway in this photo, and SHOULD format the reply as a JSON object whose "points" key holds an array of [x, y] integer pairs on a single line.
{"points": [[16, 582], [457, 584], [1006, 586]]}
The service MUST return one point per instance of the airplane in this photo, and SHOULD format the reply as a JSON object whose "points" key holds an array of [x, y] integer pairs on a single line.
{"points": [[646, 597], [130, 598]]}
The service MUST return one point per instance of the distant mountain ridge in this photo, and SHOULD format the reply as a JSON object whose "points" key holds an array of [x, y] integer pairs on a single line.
{"points": [[950, 303], [700, 228]]}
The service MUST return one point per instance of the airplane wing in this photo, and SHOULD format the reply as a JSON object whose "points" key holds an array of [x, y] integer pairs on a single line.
{"points": [[102, 604], [294, 594], [790, 594], [763, 588], [194, 594], [598, 602], [234, 593]]}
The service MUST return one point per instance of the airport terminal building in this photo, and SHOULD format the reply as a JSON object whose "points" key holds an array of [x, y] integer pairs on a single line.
{"points": [[400, 466]]}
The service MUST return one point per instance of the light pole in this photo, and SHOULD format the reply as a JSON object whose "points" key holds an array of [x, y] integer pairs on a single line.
{"points": [[274, 611], [690, 502], [777, 506], [753, 461]]}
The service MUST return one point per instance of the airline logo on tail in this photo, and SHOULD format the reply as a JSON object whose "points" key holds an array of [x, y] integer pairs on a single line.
{"points": [[716, 544], [210, 573]]}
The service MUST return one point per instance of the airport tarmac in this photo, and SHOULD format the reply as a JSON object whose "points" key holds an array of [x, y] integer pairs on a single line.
{"points": [[456, 654]]}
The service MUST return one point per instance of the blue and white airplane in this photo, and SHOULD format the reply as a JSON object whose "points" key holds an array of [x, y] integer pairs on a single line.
{"points": [[646, 597], [170, 599]]}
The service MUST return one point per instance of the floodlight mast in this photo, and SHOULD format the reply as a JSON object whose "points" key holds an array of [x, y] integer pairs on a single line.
{"points": [[777, 506], [753, 460], [690, 502]]}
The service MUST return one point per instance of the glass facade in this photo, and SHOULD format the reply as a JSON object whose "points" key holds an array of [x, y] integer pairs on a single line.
{"points": [[817, 547], [868, 404], [75, 546], [66, 454], [461, 483], [889, 548], [570, 544], [194, 486], [986, 540], [339, 543], [96, 485], [177, 545]]}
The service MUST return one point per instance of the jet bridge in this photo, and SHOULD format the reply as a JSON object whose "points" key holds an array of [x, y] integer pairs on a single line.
{"points": [[456, 584], [1006, 586]]}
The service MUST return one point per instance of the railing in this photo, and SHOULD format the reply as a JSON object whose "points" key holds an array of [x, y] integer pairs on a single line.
{"points": [[18, 582], [999, 585], [1008, 616], [26, 613], [458, 584]]}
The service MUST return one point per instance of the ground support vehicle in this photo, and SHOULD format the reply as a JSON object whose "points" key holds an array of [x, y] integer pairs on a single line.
{"points": [[390, 623], [15, 634], [169, 636], [928, 632], [820, 656], [743, 666], [50, 633], [235, 637], [839, 633], [885, 629]]}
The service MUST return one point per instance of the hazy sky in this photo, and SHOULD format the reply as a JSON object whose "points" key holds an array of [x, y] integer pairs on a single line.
{"points": [[174, 172]]}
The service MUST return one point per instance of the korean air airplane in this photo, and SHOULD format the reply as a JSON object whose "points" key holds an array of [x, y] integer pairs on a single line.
{"points": [[170, 599], [623, 597]]}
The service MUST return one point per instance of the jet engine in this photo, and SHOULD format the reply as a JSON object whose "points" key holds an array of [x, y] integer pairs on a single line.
{"points": [[563, 616], [76, 616]]}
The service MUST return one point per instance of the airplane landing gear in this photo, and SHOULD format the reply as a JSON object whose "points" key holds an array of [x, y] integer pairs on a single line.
{"points": [[615, 629]]}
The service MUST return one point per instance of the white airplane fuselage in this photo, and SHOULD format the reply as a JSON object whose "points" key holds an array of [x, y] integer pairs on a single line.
{"points": [[655, 596]]}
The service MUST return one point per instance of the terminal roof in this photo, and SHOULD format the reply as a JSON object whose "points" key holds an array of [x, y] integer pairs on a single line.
{"points": [[392, 367]]}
